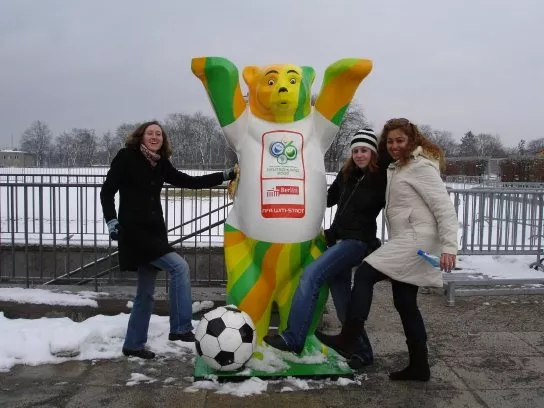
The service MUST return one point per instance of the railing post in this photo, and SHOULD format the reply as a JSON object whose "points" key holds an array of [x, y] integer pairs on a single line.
{"points": [[25, 212]]}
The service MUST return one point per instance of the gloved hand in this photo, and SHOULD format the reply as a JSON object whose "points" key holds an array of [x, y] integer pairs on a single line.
{"points": [[233, 184], [229, 174], [114, 228]]}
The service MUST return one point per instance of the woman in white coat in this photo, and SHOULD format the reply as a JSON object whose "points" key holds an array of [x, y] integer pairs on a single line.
{"points": [[419, 215]]}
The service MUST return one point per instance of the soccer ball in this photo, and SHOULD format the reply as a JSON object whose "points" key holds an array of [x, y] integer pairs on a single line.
{"points": [[225, 338]]}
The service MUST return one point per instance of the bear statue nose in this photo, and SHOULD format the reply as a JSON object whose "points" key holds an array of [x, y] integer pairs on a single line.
{"points": [[283, 89]]}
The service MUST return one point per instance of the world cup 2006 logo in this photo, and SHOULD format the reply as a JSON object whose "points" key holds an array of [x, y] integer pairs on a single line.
{"points": [[283, 151]]}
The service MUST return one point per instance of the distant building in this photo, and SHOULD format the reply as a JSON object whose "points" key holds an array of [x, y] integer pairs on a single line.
{"points": [[17, 158]]}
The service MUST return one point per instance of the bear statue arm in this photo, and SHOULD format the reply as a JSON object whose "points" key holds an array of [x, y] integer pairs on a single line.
{"points": [[340, 82], [220, 78]]}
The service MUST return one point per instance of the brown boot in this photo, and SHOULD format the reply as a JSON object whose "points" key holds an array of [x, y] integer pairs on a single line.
{"points": [[418, 368]]}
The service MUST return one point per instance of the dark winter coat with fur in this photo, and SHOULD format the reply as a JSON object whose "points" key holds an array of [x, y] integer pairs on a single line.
{"points": [[143, 237]]}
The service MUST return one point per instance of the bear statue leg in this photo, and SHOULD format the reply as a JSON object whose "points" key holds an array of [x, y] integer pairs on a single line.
{"points": [[251, 276], [318, 247]]}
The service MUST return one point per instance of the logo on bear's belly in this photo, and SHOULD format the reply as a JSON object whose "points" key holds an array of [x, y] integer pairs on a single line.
{"points": [[283, 190], [283, 151], [283, 178]]}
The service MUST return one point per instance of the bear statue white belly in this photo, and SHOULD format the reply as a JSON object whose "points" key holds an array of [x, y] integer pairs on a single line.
{"points": [[281, 195]]}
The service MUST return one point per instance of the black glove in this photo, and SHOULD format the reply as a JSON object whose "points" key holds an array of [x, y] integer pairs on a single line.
{"points": [[229, 174], [114, 229]]}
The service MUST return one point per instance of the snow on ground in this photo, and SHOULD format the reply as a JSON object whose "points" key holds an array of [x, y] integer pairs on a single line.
{"points": [[256, 385], [55, 340], [204, 305], [47, 340], [500, 266], [136, 378], [48, 297]]}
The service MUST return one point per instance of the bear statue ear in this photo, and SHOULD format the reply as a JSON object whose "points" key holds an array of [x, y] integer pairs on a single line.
{"points": [[308, 74], [249, 74]]}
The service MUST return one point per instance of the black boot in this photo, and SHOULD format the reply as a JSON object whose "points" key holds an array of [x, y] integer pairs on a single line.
{"points": [[344, 343], [188, 337], [357, 361], [336, 342], [418, 368], [278, 342], [143, 353]]}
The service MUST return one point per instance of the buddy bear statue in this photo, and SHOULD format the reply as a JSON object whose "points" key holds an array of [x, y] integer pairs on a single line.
{"points": [[273, 230]]}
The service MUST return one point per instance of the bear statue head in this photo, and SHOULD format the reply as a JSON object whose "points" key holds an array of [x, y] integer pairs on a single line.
{"points": [[279, 93]]}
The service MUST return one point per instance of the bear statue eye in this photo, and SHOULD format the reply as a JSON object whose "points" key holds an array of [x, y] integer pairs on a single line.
{"points": [[271, 82], [292, 81]]}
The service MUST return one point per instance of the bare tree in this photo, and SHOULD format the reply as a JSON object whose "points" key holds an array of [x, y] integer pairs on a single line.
{"points": [[535, 146], [36, 139], [354, 120], [65, 150], [489, 145], [203, 132], [177, 127], [78, 147], [442, 138], [109, 147], [521, 148], [85, 141], [123, 130]]}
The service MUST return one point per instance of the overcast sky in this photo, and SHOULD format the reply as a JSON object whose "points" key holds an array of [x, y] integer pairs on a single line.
{"points": [[456, 65]]}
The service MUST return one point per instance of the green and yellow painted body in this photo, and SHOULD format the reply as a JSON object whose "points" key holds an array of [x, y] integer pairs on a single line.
{"points": [[266, 254]]}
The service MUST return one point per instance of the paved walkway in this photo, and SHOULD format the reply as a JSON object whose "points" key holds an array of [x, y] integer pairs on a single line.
{"points": [[484, 352]]}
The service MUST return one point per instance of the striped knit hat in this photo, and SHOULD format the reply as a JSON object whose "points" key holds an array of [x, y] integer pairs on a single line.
{"points": [[365, 138]]}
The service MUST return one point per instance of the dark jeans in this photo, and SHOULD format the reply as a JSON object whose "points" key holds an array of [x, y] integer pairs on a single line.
{"points": [[336, 262], [404, 298]]}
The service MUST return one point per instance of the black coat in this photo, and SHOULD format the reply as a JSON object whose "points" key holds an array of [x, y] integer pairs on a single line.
{"points": [[356, 216], [143, 237]]}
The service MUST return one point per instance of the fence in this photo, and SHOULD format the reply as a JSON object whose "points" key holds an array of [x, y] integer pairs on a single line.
{"points": [[485, 181], [499, 221], [53, 224]]}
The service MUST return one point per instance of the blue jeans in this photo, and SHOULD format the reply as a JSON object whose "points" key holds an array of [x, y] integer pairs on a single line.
{"points": [[336, 262], [179, 299]]}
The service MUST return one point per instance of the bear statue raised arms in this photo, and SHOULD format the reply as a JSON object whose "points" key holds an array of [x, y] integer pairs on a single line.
{"points": [[273, 230]]}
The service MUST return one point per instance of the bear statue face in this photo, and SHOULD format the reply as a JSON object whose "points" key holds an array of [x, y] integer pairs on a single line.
{"points": [[279, 93]]}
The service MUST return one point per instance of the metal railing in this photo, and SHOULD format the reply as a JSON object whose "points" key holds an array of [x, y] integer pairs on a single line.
{"points": [[499, 221], [54, 229], [49, 229], [486, 181]]}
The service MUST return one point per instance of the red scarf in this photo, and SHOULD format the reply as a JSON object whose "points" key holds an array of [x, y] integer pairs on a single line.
{"points": [[151, 157]]}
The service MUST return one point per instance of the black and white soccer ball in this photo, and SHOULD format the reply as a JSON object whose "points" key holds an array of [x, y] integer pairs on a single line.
{"points": [[225, 338]]}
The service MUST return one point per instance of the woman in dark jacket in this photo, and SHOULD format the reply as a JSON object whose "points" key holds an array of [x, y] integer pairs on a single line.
{"points": [[138, 172], [359, 192]]}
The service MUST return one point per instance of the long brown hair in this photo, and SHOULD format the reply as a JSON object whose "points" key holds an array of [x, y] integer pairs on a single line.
{"points": [[349, 168], [415, 139], [135, 139]]}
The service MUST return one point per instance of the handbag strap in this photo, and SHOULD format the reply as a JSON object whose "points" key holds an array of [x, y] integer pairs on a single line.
{"points": [[338, 214]]}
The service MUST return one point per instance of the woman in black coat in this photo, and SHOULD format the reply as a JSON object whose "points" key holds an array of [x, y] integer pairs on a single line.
{"points": [[359, 192], [138, 172]]}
